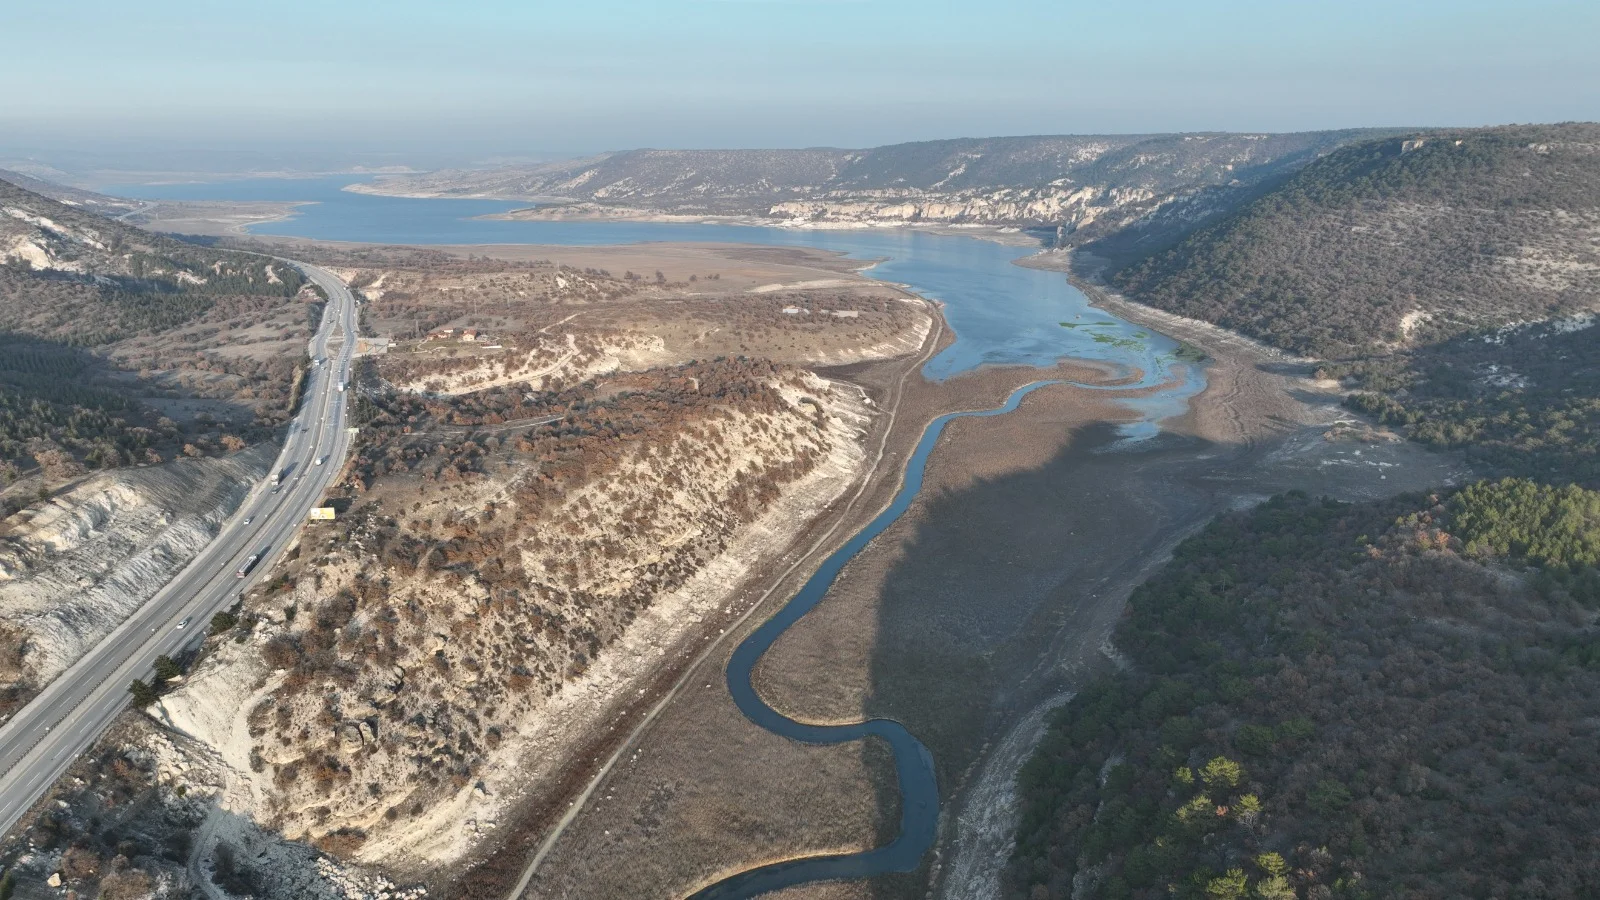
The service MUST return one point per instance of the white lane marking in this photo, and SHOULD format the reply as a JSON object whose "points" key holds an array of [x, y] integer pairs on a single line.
{"points": [[105, 698]]}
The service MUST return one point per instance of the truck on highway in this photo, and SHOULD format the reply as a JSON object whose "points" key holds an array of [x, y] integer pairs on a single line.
{"points": [[248, 565], [341, 387]]}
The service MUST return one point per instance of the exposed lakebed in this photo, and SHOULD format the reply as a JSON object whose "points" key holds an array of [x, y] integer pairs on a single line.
{"points": [[1001, 314]]}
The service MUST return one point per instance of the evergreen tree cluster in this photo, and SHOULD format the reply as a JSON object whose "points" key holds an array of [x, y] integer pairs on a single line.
{"points": [[1436, 226], [1330, 700]]}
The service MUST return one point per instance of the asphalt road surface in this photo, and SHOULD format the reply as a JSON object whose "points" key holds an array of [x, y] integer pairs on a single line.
{"points": [[42, 739]]}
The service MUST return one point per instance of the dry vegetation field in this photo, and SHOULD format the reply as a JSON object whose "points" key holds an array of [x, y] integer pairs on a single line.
{"points": [[551, 321], [533, 528], [996, 591], [119, 347], [134, 369]]}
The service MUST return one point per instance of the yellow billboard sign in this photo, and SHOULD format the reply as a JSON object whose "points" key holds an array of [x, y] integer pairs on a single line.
{"points": [[322, 514]]}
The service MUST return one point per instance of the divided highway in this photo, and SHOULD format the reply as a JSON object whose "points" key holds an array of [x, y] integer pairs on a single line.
{"points": [[42, 739]]}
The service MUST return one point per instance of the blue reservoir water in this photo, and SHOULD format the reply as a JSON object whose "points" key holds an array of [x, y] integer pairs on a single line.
{"points": [[1002, 314], [914, 768]]}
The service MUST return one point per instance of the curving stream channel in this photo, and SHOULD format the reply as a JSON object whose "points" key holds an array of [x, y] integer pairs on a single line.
{"points": [[913, 763], [1002, 314], [919, 789]]}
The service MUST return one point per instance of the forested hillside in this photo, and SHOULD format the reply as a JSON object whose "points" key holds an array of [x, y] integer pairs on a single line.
{"points": [[56, 413], [1066, 181], [97, 319], [1392, 699], [1398, 241], [85, 280], [70, 196], [752, 180], [1395, 699], [1519, 401]]}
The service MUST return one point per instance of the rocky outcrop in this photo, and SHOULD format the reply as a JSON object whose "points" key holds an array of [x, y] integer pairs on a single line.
{"points": [[1047, 180], [398, 709], [1064, 205], [74, 569], [567, 356]]}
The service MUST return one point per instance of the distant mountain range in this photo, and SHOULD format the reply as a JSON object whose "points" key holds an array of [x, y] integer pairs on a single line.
{"points": [[70, 196], [1330, 243], [1067, 181]]}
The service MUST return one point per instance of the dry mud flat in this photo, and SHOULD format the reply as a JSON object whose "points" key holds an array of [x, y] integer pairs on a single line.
{"points": [[209, 218], [739, 267], [992, 596]]}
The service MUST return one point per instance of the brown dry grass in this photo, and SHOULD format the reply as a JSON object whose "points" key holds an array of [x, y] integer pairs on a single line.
{"points": [[741, 266], [668, 827], [824, 667], [995, 591], [772, 789], [567, 313]]}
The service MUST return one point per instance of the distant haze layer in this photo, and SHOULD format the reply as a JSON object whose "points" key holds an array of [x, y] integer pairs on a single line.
{"points": [[495, 78]]}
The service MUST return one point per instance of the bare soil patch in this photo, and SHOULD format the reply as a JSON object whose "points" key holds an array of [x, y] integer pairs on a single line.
{"points": [[208, 218]]}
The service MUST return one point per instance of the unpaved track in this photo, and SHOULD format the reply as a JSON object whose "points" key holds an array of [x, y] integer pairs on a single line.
{"points": [[811, 557]]}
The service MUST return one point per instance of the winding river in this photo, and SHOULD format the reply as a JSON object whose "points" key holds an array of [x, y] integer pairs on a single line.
{"points": [[919, 789], [1002, 314]]}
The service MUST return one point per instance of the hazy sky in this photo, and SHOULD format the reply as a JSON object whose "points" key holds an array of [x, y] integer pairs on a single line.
{"points": [[532, 76]]}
